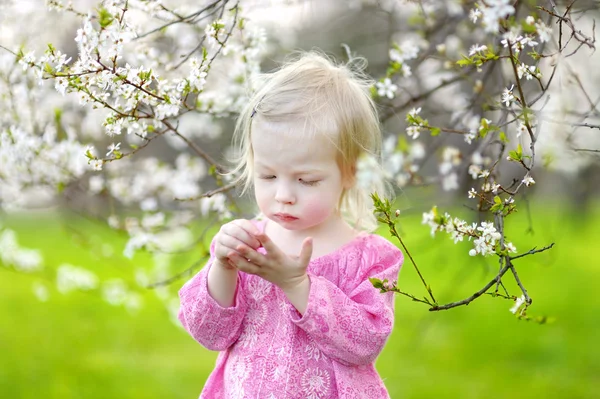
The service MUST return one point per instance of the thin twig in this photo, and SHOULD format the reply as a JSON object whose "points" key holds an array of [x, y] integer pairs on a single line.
{"points": [[531, 252], [476, 295]]}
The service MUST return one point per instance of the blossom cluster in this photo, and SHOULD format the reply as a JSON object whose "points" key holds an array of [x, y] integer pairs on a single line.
{"points": [[486, 238]]}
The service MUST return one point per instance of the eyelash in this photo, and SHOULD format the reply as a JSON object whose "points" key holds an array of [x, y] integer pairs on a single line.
{"points": [[306, 183]]}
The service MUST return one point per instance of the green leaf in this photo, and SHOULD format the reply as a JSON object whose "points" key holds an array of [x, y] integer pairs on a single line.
{"points": [[435, 131], [105, 18], [503, 137], [496, 207], [464, 62], [377, 283]]}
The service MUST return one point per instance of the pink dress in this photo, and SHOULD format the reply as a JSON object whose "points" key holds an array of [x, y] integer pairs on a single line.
{"points": [[268, 350]]}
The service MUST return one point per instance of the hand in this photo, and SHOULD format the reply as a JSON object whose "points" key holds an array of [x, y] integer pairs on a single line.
{"points": [[283, 270], [232, 235]]}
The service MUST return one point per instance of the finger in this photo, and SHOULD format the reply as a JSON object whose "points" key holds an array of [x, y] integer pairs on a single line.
{"points": [[268, 244], [225, 245], [242, 264], [306, 251], [246, 232], [252, 255]]}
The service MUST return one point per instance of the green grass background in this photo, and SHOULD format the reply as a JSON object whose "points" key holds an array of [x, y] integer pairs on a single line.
{"points": [[78, 346]]}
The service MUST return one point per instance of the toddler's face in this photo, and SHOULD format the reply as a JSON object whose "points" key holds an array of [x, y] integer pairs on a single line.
{"points": [[297, 183]]}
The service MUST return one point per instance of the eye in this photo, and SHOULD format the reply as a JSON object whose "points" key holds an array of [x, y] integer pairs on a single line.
{"points": [[310, 182], [267, 177]]}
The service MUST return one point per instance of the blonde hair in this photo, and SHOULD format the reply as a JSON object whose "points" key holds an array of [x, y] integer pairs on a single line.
{"points": [[321, 97]]}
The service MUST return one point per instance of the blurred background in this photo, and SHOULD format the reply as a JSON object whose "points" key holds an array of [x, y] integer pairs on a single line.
{"points": [[86, 313]]}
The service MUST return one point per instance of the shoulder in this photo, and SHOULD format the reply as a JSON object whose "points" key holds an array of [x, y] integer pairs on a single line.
{"points": [[378, 246], [371, 254]]}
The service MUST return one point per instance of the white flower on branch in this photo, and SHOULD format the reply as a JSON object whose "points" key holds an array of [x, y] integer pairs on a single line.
{"points": [[212, 32], [474, 170], [112, 148], [413, 131], [414, 112], [474, 14], [408, 50], [386, 88], [507, 96], [521, 129], [512, 37], [518, 303], [198, 74], [510, 247], [472, 193], [96, 164], [494, 10], [27, 60], [544, 32], [476, 48], [528, 180], [469, 137], [528, 71]]}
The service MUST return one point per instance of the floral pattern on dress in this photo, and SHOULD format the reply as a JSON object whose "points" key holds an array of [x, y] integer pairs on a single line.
{"points": [[315, 383], [268, 349]]}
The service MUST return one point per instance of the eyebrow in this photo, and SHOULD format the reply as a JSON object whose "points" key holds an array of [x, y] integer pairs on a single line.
{"points": [[298, 171]]}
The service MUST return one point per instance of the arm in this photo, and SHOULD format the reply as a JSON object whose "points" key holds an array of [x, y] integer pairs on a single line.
{"points": [[222, 282], [352, 327], [206, 319]]}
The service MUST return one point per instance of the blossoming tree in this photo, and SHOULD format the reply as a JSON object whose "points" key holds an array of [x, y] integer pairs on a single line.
{"points": [[146, 72]]}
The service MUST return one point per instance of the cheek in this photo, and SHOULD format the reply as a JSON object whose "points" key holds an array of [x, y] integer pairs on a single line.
{"points": [[319, 207], [261, 196]]}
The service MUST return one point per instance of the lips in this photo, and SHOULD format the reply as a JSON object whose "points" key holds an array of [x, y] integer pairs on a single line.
{"points": [[286, 217]]}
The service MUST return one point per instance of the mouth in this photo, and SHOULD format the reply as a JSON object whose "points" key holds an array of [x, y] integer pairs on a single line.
{"points": [[285, 217]]}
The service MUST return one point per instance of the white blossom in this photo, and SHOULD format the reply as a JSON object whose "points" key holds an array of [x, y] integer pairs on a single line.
{"points": [[386, 88], [507, 96], [518, 303], [476, 48], [474, 14], [544, 32], [528, 180], [112, 148], [413, 131]]}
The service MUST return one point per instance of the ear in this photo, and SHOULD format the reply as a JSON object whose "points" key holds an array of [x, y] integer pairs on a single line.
{"points": [[349, 178]]}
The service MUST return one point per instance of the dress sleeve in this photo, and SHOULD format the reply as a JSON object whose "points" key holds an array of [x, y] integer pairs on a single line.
{"points": [[213, 326], [352, 326]]}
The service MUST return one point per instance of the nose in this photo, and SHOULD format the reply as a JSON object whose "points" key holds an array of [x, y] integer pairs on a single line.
{"points": [[284, 194]]}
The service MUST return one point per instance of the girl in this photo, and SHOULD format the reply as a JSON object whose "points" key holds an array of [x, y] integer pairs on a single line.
{"points": [[286, 298]]}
